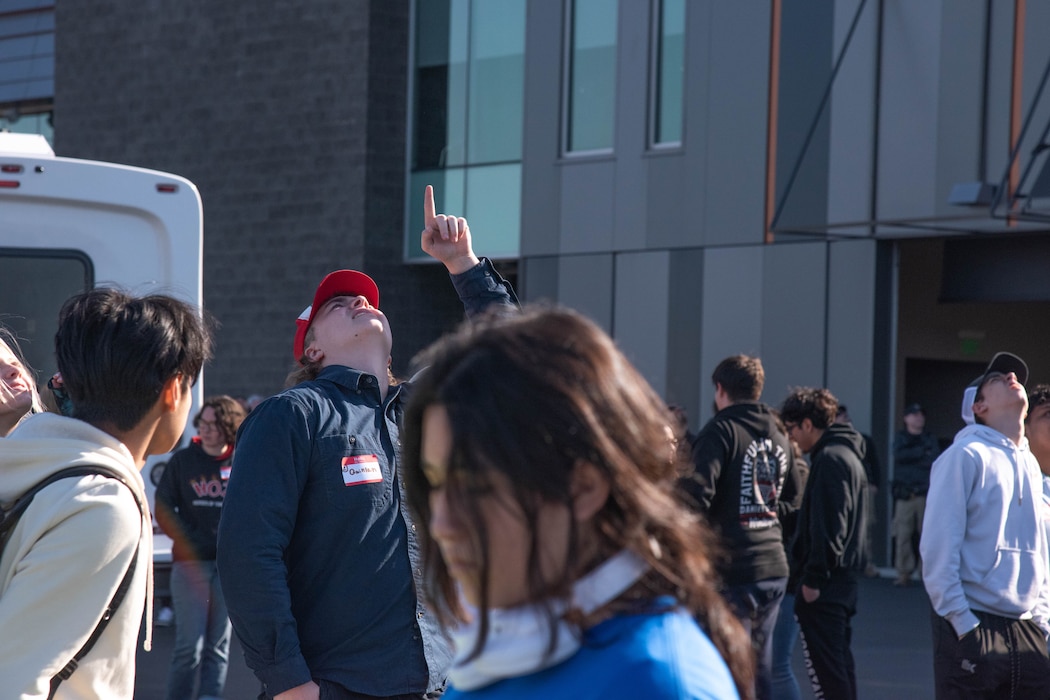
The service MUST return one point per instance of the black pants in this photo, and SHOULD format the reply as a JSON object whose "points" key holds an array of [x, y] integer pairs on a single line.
{"points": [[1002, 658], [826, 630], [334, 691], [757, 606]]}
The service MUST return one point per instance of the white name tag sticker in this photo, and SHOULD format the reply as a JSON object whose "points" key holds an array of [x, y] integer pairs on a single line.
{"points": [[361, 469], [224, 472]]}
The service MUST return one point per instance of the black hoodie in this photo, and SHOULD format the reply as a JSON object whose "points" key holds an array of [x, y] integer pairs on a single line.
{"points": [[741, 461], [833, 516]]}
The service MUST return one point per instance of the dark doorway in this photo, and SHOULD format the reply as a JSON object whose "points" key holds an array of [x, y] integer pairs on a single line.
{"points": [[938, 385]]}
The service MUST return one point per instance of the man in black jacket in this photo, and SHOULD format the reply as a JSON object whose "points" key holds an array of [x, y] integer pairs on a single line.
{"points": [[741, 460], [829, 546], [874, 472]]}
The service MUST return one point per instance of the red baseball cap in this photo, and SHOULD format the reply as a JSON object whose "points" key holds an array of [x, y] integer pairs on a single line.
{"points": [[338, 283]]}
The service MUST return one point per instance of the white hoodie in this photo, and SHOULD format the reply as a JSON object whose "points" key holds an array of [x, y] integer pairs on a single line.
{"points": [[64, 560], [984, 546]]}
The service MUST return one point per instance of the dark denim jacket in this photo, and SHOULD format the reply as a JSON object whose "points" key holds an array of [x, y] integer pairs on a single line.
{"points": [[321, 577]]}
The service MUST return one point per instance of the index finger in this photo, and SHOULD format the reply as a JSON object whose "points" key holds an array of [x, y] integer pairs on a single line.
{"points": [[428, 206]]}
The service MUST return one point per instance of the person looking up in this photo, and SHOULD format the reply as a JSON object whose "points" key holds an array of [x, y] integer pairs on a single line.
{"points": [[985, 563], [317, 556], [18, 395]]}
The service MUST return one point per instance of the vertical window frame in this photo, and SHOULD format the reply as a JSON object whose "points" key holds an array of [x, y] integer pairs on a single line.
{"points": [[464, 171], [656, 22], [568, 25]]}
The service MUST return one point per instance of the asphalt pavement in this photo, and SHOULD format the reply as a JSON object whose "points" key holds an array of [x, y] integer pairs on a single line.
{"points": [[892, 642], [891, 646]]}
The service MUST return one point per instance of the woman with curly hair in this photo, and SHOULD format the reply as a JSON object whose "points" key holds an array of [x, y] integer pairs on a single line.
{"points": [[189, 499]]}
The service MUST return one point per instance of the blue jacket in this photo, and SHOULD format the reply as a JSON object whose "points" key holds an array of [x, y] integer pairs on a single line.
{"points": [[319, 564], [656, 656]]}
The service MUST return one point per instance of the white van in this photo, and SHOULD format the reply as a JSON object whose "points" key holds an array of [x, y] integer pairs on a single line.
{"points": [[68, 225]]}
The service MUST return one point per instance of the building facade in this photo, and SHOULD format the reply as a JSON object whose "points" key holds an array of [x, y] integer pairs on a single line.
{"points": [[809, 182]]}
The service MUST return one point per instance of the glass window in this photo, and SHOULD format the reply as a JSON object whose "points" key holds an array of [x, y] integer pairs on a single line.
{"points": [[592, 75], [27, 51], [27, 66], [33, 287], [497, 81], [668, 72], [11, 119], [466, 123]]}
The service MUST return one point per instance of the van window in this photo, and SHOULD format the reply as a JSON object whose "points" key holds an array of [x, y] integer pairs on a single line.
{"points": [[33, 286]]}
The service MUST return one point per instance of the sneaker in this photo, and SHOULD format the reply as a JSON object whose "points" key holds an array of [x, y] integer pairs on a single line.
{"points": [[165, 616]]}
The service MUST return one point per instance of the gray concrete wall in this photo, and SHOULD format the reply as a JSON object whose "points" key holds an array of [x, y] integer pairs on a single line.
{"points": [[641, 322], [908, 114], [652, 209], [851, 328], [731, 311], [263, 109], [851, 148]]}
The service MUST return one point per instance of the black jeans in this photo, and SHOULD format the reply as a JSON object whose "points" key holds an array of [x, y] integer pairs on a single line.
{"points": [[757, 606], [334, 691], [826, 630], [1002, 658]]}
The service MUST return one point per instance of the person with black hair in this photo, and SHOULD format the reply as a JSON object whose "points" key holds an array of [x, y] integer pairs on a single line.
{"points": [[873, 470], [829, 548], [128, 365]]}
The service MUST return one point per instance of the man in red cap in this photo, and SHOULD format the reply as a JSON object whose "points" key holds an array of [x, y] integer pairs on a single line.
{"points": [[984, 551], [318, 558]]}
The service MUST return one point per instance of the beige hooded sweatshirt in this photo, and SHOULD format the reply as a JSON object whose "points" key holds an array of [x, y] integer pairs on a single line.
{"points": [[64, 560]]}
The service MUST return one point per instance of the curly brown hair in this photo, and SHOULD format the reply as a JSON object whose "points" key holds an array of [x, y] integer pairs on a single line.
{"points": [[819, 405], [229, 414]]}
